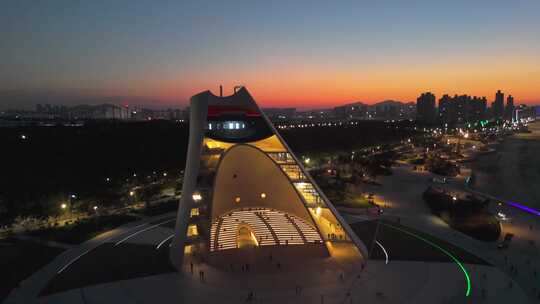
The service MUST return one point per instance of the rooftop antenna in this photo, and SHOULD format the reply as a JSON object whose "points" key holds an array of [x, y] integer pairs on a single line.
{"points": [[220, 91], [236, 88]]}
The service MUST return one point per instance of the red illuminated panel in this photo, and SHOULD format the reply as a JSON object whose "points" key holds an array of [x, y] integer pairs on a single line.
{"points": [[216, 111]]}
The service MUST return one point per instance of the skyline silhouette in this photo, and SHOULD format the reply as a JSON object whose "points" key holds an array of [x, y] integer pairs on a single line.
{"points": [[302, 54]]}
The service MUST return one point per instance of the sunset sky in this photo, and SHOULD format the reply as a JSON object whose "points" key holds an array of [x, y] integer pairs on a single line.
{"points": [[287, 53]]}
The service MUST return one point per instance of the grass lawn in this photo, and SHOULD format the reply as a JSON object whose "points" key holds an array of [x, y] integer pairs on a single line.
{"points": [[84, 229], [353, 201], [482, 226], [159, 208], [19, 259]]}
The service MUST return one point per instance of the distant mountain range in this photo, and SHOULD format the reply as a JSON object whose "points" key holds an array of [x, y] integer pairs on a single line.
{"points": [[383, 103], [28, 99]]}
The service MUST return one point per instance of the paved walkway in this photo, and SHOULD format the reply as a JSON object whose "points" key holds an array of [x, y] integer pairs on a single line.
{"points": [[31, 287], [403, 193], [320, 281]]}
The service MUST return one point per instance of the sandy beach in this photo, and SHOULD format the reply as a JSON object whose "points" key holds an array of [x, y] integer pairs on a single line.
{"points": [[513, 173]]}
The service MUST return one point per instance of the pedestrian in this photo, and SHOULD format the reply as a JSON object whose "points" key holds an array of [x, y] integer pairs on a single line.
{"points": [[191, 267], [231, 267], [247, 267], [363, 266], [243, 267], [250, 297], [278, 265]]}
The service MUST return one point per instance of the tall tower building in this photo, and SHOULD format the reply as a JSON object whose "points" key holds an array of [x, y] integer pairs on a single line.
{"points": [[497, 107], [509, 111], [447, 109], [244, 189], [425, 107]]}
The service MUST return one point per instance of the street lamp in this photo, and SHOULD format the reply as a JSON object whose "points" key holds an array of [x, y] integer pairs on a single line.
{"points": [[196, 196], [95, 208], [63, 206]]}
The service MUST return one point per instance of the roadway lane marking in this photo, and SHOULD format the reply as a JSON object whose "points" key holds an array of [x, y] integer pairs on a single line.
{"points": [[88, 250], [141, 231], [467, 278], [130, 229], [384, 250], [165, 240], [73, 261]]}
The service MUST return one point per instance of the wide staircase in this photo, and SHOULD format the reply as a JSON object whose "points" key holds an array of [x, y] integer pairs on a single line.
{"points": [[270, 227]]}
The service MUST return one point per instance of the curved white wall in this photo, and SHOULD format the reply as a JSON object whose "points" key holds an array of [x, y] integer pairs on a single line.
{"points": [[255, 173]]}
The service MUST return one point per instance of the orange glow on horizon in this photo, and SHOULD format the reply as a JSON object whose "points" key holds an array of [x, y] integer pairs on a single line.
{"points": [[309, 86]]}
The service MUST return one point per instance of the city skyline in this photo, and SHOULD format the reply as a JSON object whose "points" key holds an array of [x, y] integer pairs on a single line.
{"points": [[290, 54], [31, 102]]}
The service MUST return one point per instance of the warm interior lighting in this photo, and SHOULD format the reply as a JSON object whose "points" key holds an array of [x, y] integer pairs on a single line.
{"points": [[263, 195], [196, 196], [237, 199], [192, 230], [254, 238], [194, 212]]}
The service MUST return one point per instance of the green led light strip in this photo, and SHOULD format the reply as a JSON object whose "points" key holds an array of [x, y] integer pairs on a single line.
{"points": [[468, 279]]}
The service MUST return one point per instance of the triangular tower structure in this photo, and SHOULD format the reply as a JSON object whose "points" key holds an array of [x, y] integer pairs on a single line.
{"points": [[244, 188]]}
